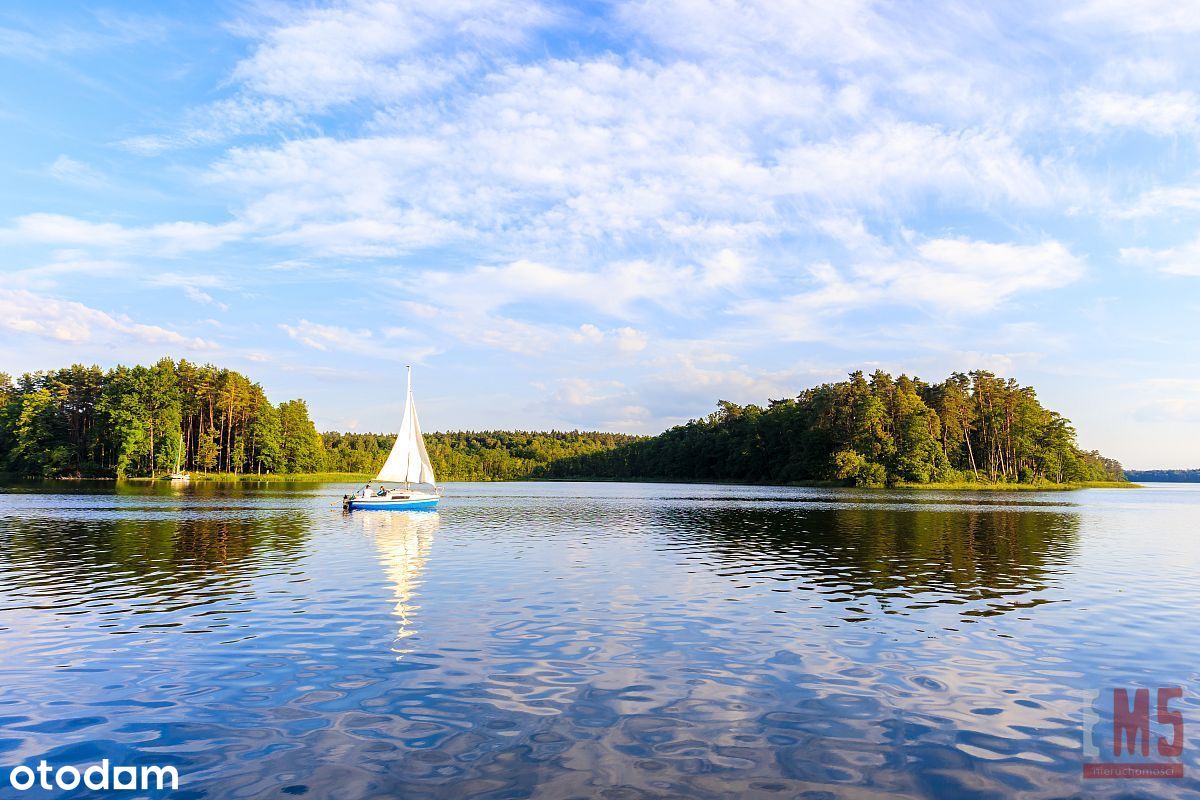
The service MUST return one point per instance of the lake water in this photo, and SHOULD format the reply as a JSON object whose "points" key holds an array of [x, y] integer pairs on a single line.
{"points": [[575, 640]]}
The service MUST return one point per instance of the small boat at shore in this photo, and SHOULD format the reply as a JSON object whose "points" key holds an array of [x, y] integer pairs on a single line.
{"points": [[408, 463], [177, 476]]}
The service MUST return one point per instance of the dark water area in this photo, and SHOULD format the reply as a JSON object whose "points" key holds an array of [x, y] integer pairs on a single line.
{"points": [[593, 640]]}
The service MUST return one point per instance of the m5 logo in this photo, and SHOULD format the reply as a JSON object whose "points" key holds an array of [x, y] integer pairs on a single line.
{"points": [[1122, 739]]}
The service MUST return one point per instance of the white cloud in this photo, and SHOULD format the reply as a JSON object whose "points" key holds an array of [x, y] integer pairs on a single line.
{"points": [[1161, 113], [392, 343], [1168, 400], [550, 160], [67, 321], [185, 279], [193, 285], [379, 50], [582, 392], [470, 306], [196, 294], [956, 276], [968, 276], [67, 263], [1183, 259], [807, 315], [1139, 70], [201, 296], [625, 340], [607, 405], [1172, 17], [839, 32], [680, 390], [500, 333], [328, 337], [616, 288], [50, 41], [393, 233], [68, 170], [898, 160], [308, 61], [351, 197], [1160, 200], [170, 238], [218, 122], [688, 378]]}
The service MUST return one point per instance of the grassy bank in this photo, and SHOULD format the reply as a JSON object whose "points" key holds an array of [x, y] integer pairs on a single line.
{"points": [[293, 477], [957, 486], [363, 477], [1043, 486]]}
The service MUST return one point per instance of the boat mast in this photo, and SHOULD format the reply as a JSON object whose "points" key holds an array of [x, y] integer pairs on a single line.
{"points": [[407, 400]]}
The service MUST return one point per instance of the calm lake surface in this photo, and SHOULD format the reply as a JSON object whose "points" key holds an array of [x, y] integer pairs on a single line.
{"points": [[592, 640]]}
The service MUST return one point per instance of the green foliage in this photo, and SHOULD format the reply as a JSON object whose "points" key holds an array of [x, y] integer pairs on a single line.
{"points": [[853, 468], [863, 431], [1165, 475], [866, 432], [137, 420], [132, 421], [301, 447], [39, 433], [472, 455]]}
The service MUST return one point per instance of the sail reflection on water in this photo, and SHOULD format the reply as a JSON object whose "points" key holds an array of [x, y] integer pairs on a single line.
{"points": [[403, 540]]}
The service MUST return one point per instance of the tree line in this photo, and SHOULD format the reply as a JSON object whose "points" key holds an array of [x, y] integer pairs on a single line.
{"points": [[132, 421], [143, 421], [866, 431], [1164, 475], [473, 455]]}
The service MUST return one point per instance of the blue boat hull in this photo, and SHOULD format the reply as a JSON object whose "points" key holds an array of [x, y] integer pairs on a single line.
{"points": [[423, 504]]}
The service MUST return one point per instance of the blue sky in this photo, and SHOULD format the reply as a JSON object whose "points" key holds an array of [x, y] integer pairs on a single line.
{"points": [[609, 215]]}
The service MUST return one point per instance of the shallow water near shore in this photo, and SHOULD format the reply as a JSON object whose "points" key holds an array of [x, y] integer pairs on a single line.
{"points": [[608, 640]]}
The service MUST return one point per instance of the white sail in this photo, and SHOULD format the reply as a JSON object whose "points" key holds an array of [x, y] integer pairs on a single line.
{"points": [[408, 462]]}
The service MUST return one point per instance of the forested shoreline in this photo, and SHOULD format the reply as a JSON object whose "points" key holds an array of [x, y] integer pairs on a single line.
{"points": [[876, 431], [133, 421], [473, 455], [136, 421], [1164, 475], [866, 431]]}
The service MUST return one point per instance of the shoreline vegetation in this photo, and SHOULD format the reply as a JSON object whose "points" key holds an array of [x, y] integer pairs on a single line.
{"points": [[364, 477], [973, 431]]}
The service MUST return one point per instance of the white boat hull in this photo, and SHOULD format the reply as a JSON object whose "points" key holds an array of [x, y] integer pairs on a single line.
{"points": [[393, 501]]}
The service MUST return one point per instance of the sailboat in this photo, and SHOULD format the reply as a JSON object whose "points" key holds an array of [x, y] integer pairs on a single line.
{"points": [[177, 476], [408, 463]]}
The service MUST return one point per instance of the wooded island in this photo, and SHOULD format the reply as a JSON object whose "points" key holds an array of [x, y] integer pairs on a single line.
{"points": [[867, 431]]}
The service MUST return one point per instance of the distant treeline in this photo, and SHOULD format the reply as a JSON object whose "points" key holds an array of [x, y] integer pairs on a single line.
{"points": [[869, 431], [1164, 475], [137, 421], [473, 455]]}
